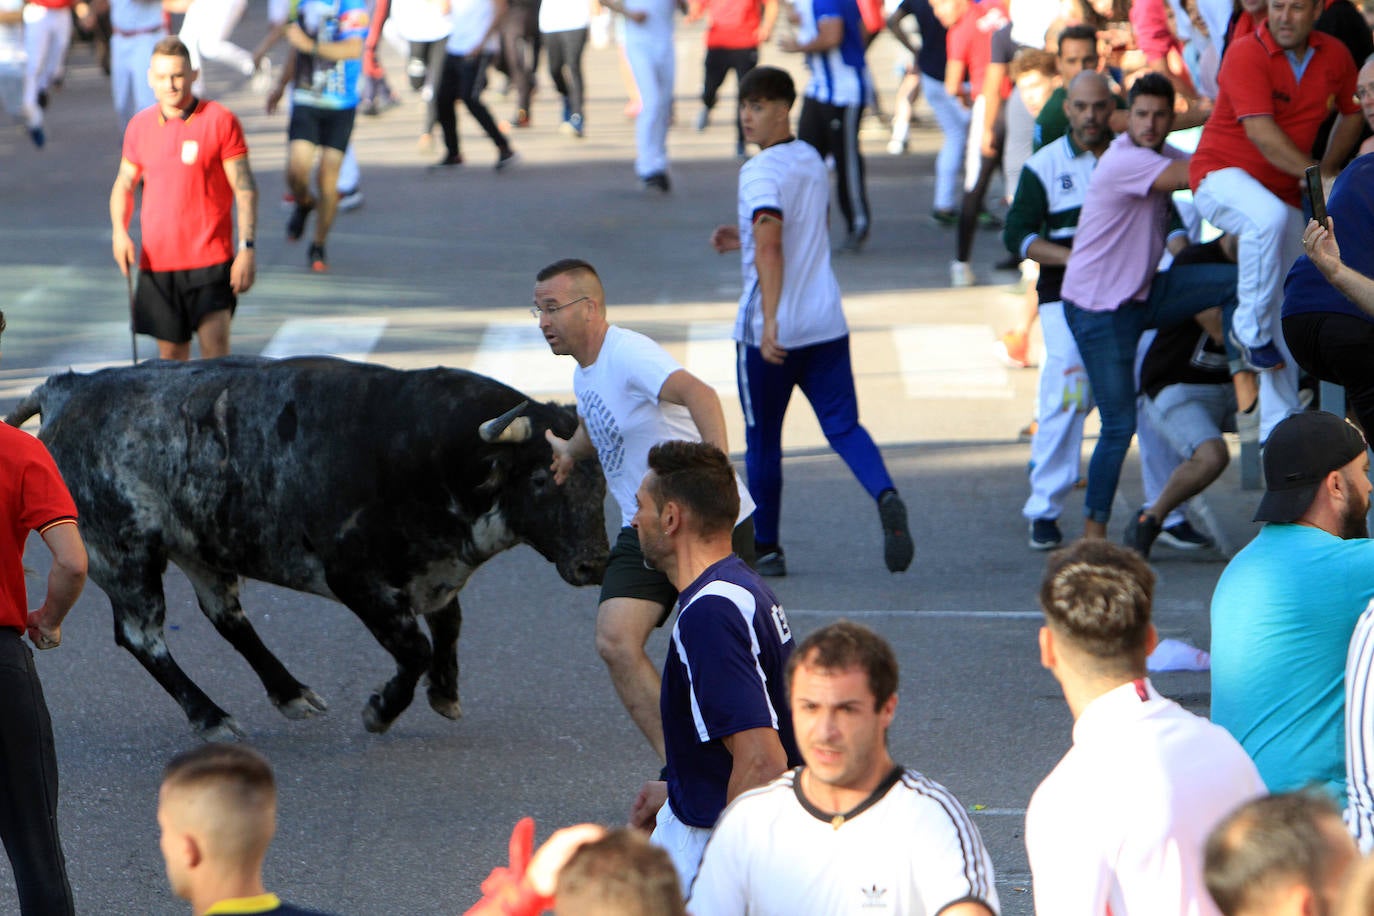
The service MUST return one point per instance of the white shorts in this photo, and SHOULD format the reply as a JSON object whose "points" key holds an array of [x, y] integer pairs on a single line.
{"points": [[683, 843]]}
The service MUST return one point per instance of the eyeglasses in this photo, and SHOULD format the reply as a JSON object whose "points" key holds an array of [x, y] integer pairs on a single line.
{"points": [[536, 310]]}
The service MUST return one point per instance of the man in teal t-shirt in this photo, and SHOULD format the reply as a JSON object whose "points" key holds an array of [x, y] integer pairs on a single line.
{"points": [[1285, 607]]}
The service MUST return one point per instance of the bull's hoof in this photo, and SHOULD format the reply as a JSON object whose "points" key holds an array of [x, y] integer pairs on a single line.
{"points": [[225, 731], [374, 719], [448, 707], [306, 706]]}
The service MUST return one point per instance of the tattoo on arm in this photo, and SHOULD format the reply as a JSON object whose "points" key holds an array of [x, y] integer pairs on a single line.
{"points": [[243, 176]]}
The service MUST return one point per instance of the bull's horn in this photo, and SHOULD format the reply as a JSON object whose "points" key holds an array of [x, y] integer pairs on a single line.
{"points": [[509, 427]]}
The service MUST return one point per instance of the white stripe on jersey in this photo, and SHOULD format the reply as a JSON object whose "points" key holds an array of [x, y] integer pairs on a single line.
{"points": [[1359, 733], [744, 602]]}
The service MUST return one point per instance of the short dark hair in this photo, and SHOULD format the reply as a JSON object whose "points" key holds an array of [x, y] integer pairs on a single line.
{"points": [[567, 266], [243, 769], [843, 645], [1098, 596], [172, 46], [1155, 84], [1266, 843], [1078, 32], [767, 84], [698, 477], [621, 874]]}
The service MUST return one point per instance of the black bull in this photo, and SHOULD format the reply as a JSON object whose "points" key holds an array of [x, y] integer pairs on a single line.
{"points": [[367, 485]]}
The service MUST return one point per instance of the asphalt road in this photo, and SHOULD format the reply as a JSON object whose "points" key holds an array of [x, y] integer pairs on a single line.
{"points": [[437, 269]]}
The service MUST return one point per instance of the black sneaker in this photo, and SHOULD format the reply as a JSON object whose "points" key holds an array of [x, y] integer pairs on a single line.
{"points": [[449, 161], [772, 564], [854, 242], [295, 226], [1045, 534], [1184, 536], [506, 158], [657, 182], [316, 259], [1141, 532], [898, 547]]}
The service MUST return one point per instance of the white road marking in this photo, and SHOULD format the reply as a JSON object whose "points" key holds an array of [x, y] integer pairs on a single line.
{"points": [[514, 352], [344, 337], [711, 355], [950, 361]]}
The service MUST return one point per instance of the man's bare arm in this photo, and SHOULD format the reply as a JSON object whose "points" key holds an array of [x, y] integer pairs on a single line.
{"points": [[66, 578], [1275, 145], [757, 756], [244, 269], [768, 262], [702, 402], [1173, 178], [121, 212]]}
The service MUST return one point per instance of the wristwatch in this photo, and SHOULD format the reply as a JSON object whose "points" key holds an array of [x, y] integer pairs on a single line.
{"points": [[246, 243]]}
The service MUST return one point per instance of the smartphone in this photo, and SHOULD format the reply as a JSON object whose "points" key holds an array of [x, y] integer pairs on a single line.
{"points": [[1316, 198]]}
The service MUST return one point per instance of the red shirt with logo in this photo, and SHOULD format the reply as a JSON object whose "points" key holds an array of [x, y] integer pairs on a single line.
{"points": [[188, 203], [969, 41], [1257, 78], [733, 24], [32, 498]]}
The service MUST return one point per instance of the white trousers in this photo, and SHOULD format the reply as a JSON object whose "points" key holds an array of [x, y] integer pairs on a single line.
{"points": [[652, 63], [953, 119], [47, 32], [1269, 233], [130, 56], [1064, 400], [683, 843], [205, 32]]}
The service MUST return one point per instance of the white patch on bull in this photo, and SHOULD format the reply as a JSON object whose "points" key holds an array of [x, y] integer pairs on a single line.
{"points": [[141, 639], [222, 420], [491, 534]]}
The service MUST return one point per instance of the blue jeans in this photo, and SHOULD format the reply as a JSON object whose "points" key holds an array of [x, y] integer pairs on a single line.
{"points": [[1107, 342], [823, 373]]}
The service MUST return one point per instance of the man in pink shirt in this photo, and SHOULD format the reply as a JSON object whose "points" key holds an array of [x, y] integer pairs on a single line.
{"points": [[1111, 293]]}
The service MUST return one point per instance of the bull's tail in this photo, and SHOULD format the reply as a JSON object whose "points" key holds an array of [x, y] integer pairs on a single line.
{"points": [[31, 405]]}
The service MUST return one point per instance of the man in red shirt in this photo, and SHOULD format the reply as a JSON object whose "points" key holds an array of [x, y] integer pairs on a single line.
{"points": [[1277, 86], [735, 29], [32, 498], [192, 159]]}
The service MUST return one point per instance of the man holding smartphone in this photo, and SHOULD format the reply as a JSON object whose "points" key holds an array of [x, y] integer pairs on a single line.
{"points": [[1277, 86]]}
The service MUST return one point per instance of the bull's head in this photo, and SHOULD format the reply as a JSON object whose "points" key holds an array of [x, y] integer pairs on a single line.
{"points": [[566, 523]]}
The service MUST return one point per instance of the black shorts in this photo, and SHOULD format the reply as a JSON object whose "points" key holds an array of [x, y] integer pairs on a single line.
{"points": [[321, 126], [628, 577], [171, 304]]}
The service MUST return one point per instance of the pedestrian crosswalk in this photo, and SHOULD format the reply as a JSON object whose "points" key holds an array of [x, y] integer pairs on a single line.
{"points": [[931, 361]]}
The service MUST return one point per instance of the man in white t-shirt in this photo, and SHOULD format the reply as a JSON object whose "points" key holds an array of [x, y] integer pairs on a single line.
{"points": [[791, 331], [136, 26], [851, 831], [631, 395], [1120, 824], [12, 59]]}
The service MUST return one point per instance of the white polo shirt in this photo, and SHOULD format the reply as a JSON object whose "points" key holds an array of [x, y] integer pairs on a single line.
{"points": [[1119, 825]]}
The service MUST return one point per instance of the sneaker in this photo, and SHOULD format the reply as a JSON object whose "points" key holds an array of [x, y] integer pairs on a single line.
{"points": [[898, 547], [772, 564], [1261, 357], [961, 274], [945, 217], [1027, 432], [989, 221], [703, 119], [350, 200], [37, 136], [295, 226], [1141, 532], [507, 157], [854, 242], [571, 127], [657, 182], [449, 161], [1045, 534], [896, 147], [1184, 536], [522, 118], [318, 262]]}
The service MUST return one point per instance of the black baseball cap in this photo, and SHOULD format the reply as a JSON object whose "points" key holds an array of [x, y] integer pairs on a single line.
{"points": [[1300, 452]]}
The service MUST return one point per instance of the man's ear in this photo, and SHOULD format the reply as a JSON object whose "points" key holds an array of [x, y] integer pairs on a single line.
{"points": [[1151, 640], [1047, 656], [670, 516]]}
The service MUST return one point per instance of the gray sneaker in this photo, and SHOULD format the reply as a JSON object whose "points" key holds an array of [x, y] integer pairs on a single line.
{"points": [[898, 547], [772, 564]]}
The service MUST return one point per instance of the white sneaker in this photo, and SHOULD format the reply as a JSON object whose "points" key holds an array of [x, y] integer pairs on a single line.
{"points": [[350, 200], [961, 274], [896, 147]]}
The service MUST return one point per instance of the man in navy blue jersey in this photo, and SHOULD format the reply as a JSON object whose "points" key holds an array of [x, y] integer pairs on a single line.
{"points": [[726, 726]]}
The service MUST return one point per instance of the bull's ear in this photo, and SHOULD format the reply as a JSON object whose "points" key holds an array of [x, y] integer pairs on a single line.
{"points": [[496, 475]]}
